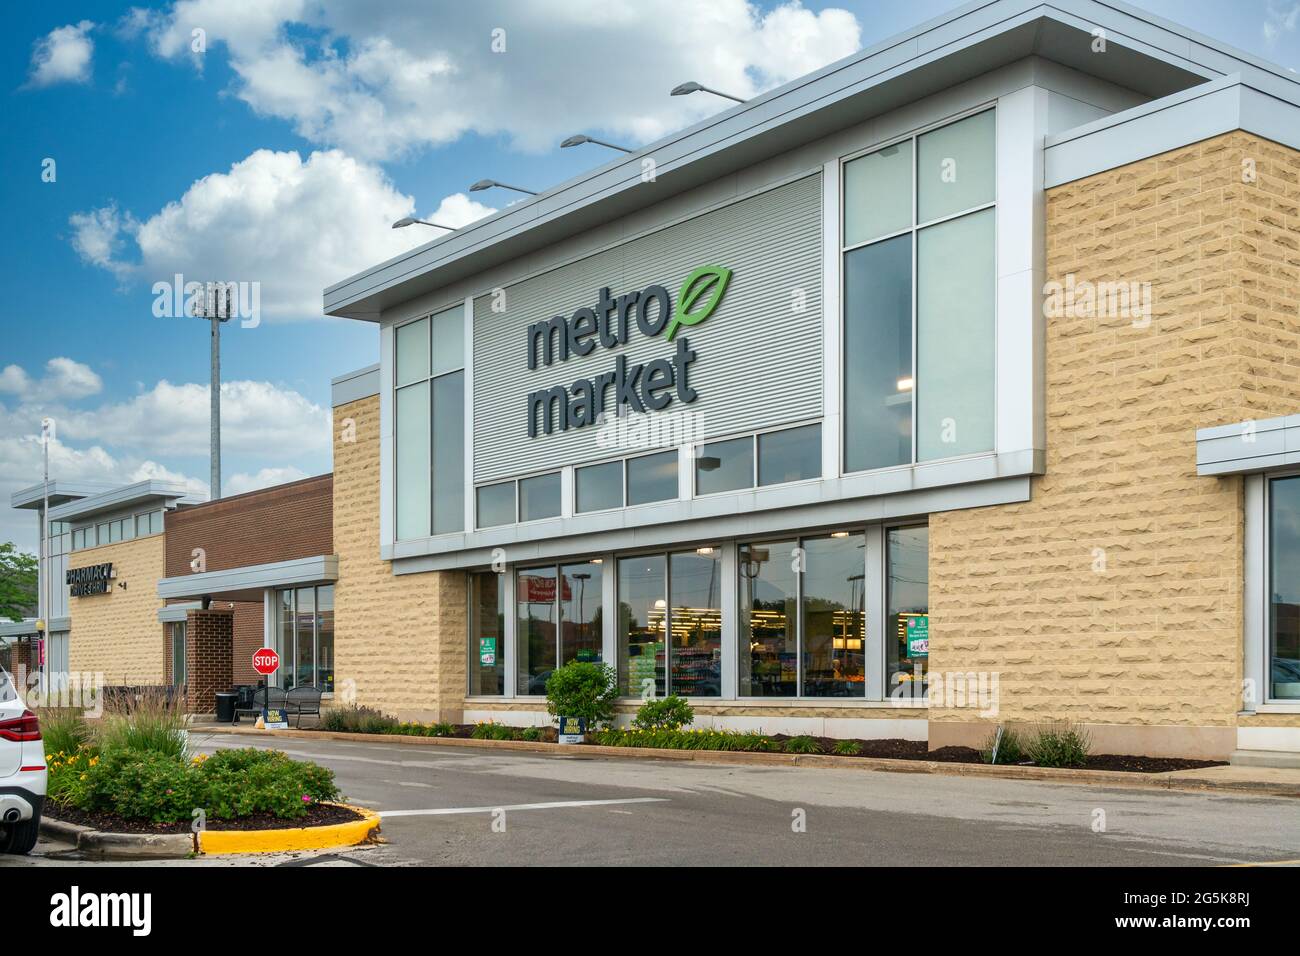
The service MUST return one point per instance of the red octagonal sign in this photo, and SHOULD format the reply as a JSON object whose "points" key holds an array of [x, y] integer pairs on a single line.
{"points": [[266, 661]]}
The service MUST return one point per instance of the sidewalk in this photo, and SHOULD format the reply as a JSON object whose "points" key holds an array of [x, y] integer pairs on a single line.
{"points": [[1262, 781]]}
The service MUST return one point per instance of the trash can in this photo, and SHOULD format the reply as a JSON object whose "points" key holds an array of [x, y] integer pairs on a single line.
{"points": [[226, 707]]}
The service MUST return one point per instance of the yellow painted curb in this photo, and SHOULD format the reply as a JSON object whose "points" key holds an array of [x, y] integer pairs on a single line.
{"points": [[292, 838]]}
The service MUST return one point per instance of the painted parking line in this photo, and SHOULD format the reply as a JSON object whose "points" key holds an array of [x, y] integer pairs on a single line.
{"points": [[558, 804]]}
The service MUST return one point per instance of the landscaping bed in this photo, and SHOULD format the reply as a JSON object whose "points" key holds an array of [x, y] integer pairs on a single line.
{"points": [[589, 692], [133, 771], [733, 741], [319, 815]]}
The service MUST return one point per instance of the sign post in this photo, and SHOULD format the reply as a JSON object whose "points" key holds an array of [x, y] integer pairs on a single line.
{"points": [[266, 662]]}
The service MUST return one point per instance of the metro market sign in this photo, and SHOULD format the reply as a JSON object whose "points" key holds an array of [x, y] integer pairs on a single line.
{"points": [[647, 387]]}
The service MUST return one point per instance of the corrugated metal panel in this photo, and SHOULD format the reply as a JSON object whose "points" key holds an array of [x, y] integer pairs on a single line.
{"points": [[759, 364]]}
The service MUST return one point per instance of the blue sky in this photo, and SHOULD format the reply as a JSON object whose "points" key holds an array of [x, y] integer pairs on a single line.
{"points": [[279, 154]]}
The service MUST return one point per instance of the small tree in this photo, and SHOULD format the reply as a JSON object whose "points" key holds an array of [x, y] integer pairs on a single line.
{"points": [[17, 582], [582, 689]]}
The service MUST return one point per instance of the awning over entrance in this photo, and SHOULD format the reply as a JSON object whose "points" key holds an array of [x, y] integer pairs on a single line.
{"points": [[248, 583]]}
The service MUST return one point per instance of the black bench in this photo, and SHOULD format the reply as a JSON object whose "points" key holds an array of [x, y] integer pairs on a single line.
{"points": [[253, 701], [304, 699]]}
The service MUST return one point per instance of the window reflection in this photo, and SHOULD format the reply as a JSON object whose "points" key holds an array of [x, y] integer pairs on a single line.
{"points": [[834, 616], [1284, 589], [642, 622], [907, 611], [769, 597], [535, 629], [580, 611], [695, 618]]}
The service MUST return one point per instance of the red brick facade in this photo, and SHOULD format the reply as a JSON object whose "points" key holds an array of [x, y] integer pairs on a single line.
{"points": [[209, 639], [261, 527], [282, 523]]}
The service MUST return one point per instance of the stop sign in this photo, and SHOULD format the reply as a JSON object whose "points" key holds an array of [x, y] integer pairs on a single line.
{"points": [[266, 661]]}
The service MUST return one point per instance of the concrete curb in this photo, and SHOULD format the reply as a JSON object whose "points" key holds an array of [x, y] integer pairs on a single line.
{"points": [[170, 846], [1106, 778], [120, 846]]}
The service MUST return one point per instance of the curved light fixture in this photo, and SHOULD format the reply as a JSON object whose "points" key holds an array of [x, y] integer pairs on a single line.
{"points": [[489, 183], [581, 138], [690, 86], [411, 221]]}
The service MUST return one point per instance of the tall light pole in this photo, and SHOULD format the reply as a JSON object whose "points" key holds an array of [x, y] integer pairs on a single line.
{"points": [[45, 589], [216, 309]]}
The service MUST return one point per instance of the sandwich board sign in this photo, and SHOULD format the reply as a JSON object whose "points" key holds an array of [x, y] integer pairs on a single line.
{"points": [[266, 662]]}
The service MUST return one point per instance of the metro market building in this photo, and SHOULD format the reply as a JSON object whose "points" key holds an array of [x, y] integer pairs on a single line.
{"points": [[951, 385]]}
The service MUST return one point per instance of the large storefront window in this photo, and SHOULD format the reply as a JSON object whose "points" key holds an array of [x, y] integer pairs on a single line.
{"points": [[834, 617], [769, 619], [805, 595], [487, 634], [919, 297], [907, 611], [1284, 589], [429, 409], [559, 620], [841, 614], [642, 625], [695, 622], [670, 624], [304, 630]]}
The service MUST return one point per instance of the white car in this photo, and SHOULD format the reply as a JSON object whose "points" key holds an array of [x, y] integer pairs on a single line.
{"points": [[23, 775]]}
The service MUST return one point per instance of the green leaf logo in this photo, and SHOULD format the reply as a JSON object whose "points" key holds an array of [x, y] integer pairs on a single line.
{"points": [[706, 279]]}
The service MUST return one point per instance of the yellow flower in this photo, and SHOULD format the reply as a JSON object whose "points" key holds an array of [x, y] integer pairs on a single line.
{"points": [[83, 776]]}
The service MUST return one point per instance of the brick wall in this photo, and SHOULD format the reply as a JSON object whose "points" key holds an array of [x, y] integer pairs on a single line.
{"points": [[118, 634], [1114, 596], [208, 640], [399, 640], [247, 639], [274, 524]]}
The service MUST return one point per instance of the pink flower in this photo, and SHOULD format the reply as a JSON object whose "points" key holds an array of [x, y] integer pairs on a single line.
{"points": [[306, 798]]}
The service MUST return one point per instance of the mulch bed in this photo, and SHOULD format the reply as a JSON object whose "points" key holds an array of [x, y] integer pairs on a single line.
{"points": [[898, 749], [318, 815]]}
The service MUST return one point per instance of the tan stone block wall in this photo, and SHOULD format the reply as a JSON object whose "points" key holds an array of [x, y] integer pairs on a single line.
{"points": [[118, 633], [1155, 638], [399, 639]]}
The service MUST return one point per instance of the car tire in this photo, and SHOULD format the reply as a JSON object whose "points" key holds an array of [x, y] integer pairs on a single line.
{"points": [[21, 837]]}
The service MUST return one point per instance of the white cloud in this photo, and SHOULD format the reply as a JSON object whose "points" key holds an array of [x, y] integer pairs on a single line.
{"points": [[269, 434], [257, 418], [382, 79], [63, 379], [239, 483], [292, 226], [99, 236], [62, 56], [1280, 18], [459, 210]]}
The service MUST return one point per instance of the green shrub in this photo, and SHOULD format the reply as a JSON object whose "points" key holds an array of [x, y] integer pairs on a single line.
{"points": [[236, 783], [582, 689], [1058, 745], [667, 713], [1011, 749], [490, 730], [531, 733], [359, 720], [440, 730], [848, 748], [802, 744], [149, 724], [153, 786]]}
